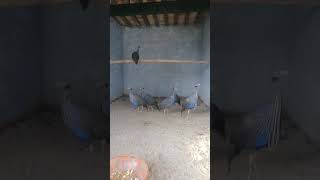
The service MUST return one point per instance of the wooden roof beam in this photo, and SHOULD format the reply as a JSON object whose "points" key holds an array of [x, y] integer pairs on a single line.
{"points": [[160, 61], [159, 7]]}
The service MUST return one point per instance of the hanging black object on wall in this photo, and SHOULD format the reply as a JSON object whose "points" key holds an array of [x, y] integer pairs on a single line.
{"points": [[135, 56], [84, 4]]}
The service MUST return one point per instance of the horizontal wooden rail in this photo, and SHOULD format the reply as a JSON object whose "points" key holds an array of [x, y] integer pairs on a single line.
{"points": [[159, 62]]}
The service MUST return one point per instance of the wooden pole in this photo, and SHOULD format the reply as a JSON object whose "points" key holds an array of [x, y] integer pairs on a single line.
{"points": [[159, 62]]}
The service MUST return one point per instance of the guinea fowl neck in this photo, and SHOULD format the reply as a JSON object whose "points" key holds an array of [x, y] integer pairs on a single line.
{"points": [[66, 96], [196, 91]]}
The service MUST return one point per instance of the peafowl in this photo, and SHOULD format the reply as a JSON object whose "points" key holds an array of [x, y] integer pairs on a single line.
{"points": [[150, 101], [87, 125], [135, 56], [168, 102], [252, 131], [136, 100], [190, 102]]}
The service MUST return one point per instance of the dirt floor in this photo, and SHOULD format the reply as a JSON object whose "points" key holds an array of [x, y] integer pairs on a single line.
{"points": [[36, 150], [174, 148], [293, 159]]}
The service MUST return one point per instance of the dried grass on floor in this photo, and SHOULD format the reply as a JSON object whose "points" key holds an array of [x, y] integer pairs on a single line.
{"points": [[173, 147], [292, 159], [38, 150]]}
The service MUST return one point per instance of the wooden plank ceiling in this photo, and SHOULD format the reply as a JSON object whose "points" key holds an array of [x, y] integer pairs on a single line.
{"points": [[157, 19]]}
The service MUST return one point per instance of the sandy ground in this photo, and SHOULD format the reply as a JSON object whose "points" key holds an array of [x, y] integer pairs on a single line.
{"points": [[293, 159], [173, 147], [36, 150]]}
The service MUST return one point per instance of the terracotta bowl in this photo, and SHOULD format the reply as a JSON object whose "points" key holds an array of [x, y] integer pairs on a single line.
{"points": [[128, 162]]}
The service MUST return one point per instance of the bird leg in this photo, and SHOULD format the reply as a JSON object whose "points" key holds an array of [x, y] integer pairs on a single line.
{"points": [[164, 111], [231, 155], [90, 147], [254, 166], [251, 166], [103, 145], [188, 114]]}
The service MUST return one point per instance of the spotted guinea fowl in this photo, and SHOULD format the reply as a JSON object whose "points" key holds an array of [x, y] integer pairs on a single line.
{"points": [[135, 56], [190, 102], [87, 125], [251, 131], [136, 100], [150, 101], [169, 101]]}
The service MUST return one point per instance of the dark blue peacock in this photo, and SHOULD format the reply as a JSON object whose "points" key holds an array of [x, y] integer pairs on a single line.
{"points": [[168, 102], [136, 100], [251, 131], [87, 124], [150, 101], [189, 103]]}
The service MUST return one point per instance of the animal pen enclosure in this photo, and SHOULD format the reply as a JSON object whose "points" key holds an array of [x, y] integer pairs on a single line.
{"points": [[160, 59], [264, 103]]}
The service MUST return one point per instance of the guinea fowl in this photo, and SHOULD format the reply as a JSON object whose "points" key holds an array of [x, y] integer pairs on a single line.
{"points": [[252, 131], [136, 100], [190, 102], [150, 101], [87, 125], [169, 101], [135, 56]]}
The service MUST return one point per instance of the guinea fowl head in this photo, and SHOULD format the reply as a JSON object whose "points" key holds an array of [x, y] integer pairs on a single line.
{"points": [[67, 87], [174, 89], [197, 86], [275, 79], [141, 90]]}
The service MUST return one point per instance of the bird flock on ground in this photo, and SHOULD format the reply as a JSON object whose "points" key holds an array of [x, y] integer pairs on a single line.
{"points": [[90, 125], [139, 99]]}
